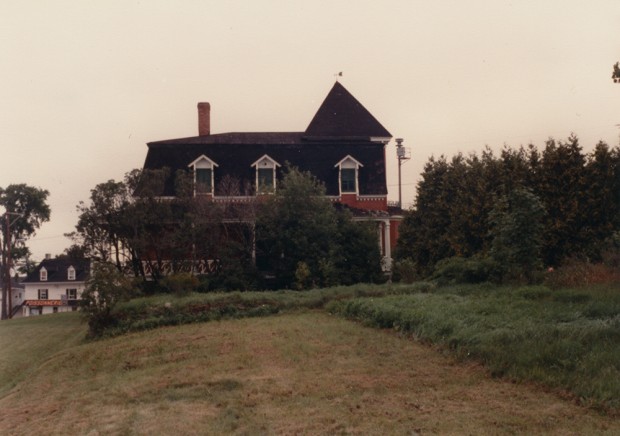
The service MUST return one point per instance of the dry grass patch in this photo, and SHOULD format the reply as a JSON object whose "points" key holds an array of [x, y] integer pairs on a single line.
{"points": [[27, 342], [303, 373]]}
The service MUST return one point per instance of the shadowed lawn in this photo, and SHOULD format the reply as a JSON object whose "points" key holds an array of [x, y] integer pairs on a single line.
{"points": [[307, 373]]}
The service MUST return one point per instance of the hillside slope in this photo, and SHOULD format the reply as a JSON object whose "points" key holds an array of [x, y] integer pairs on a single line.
{"points": [[26, 343], [297, 373]]}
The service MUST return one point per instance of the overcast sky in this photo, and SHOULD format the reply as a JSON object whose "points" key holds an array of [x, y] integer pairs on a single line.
{"points": [[86, 84]]}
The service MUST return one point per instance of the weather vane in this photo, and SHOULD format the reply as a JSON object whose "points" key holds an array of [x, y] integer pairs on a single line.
{"points": [[339, 74]]}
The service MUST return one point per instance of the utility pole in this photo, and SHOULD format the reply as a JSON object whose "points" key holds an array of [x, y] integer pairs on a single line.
{"points": [[4, 270], [402, 154], [7, 306], [8, 265]]}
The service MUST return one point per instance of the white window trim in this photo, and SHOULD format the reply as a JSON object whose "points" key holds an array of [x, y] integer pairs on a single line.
{"points": [[266, 162], [71, 273], [203, 162], [47, 294], [43, 274], [349, 162], [69, 296]]}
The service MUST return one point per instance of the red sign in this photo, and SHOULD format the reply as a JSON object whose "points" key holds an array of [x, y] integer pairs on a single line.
{"points": [[43, 303]]}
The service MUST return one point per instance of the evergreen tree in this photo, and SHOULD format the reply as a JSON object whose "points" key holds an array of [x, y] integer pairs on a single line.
{"points": [[562, 190], [602, 207], [450, 217], [422, 234], [517, 230], [358, 258]]}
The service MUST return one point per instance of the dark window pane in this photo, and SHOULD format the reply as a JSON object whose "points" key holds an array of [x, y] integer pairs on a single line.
{"points": [[347, 180], [203, 180], [265, 180]]}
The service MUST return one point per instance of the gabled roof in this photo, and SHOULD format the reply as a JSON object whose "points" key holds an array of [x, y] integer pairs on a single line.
{"points": [[341, 115], [351, 158], [266, 157], [57, 271], [201, 158]]}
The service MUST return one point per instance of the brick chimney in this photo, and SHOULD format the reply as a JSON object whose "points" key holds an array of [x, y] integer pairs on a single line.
{"points": [[204, 119]]}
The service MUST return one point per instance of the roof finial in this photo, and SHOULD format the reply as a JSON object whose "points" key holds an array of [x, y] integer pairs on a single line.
{"points": [[339, 74]]}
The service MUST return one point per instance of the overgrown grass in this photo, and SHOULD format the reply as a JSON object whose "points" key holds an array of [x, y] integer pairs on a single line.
{"points": [[566, 339], [166, 309]]}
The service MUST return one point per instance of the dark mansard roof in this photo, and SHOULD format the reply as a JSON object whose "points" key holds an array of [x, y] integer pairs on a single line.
{"points": [[341, 127]]}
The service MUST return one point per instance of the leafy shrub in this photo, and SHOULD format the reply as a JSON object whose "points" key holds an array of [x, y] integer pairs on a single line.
{"points": [[465, 270], [302, 276], [236, 272], [154, 311], [203, 283], [105, 288], [180, 284], [149, 287], [405, 271]]}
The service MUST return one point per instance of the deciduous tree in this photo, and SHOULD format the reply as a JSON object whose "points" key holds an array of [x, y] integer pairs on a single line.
{"points": [[105, 288], [302, 239], [25, 210]]}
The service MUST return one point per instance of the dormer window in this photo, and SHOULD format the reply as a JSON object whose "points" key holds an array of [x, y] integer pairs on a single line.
{"points": [[265, 175], [43, 274], [71, 273], [203, 175], [348, 169]]}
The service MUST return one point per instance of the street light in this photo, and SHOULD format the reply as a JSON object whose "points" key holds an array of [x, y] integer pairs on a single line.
{"points": [[402, 154]]}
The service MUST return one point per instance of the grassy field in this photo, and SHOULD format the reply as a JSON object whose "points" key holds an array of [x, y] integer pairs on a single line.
{"points": [[26, 343], [298, 373], [565, 339]]}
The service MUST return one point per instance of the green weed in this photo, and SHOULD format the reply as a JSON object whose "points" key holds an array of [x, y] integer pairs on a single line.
{"points": [[566, 339]]}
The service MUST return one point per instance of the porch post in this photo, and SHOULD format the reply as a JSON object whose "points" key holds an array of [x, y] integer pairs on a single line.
{"points": [[386, 236], [387, 257], [380, 236]]}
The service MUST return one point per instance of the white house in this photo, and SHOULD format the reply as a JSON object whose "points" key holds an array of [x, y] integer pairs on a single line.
{"points": [[55, 286]]}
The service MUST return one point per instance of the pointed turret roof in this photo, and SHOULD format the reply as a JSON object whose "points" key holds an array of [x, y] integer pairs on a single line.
{"points": [[341, 115]]}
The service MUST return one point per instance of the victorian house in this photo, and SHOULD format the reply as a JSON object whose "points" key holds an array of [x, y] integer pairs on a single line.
{"points": [[344, 146]]}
